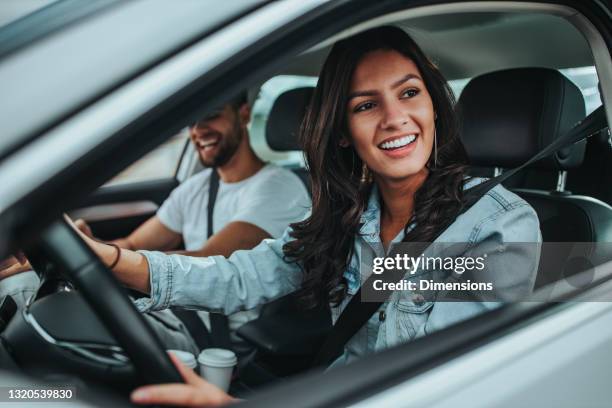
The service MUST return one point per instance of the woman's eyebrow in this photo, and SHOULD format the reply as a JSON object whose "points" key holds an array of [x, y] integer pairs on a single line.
{"points": [[361, 93], [404, 79], [393, 85]]}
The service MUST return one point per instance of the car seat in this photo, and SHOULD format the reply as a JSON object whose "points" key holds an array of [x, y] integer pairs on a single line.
{"points": [[283, 125], [507, 117]]}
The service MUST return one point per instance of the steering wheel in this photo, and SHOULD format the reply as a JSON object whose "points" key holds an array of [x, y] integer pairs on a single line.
{"points": [[63, 246]]}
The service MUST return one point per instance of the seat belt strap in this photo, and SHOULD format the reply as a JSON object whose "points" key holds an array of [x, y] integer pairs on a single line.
{"points": [[219, 326], [213, 189], [195, 326], [357, 313]]}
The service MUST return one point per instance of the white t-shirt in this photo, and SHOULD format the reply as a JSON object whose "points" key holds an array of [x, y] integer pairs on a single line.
{"points": [[270, 199]]}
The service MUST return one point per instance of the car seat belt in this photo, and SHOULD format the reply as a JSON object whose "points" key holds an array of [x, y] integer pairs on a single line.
{"points": [[219, 335], [219, 325], [357, 313]]}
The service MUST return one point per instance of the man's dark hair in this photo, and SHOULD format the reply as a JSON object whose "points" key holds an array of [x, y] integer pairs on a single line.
{"points": [[239, 100]]}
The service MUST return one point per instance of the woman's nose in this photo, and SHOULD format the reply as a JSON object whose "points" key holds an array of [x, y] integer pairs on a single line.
{"points": [[394, 117]]}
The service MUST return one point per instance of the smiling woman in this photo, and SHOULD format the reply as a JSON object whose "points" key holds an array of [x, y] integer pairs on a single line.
{"points": [[375, 89], [396, 120], [386, 164]]}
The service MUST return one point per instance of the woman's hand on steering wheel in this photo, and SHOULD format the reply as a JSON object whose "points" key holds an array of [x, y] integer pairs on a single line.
{"points": [[196, 392]]}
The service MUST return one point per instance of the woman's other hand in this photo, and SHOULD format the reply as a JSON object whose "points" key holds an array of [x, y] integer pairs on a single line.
{"points": [[196, 392], [14, 265]]}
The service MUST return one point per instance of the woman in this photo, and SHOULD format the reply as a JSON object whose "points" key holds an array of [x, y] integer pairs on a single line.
{"points": [[381, 141]]}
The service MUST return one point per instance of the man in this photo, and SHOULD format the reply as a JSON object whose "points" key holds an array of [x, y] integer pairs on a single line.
{"points": [[254, 201]]}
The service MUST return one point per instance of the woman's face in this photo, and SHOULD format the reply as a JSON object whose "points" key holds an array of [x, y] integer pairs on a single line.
{"points": [[390, 115]]}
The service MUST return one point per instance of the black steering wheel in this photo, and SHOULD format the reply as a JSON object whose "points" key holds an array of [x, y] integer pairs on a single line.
{"points": [[63, 246]]}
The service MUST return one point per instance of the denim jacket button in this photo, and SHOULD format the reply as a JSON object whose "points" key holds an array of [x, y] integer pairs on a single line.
{"points": [[418, 299], [382, 316]]}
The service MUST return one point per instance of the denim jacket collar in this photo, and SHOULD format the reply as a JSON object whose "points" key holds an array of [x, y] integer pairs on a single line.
{"points": [[370, 219]]}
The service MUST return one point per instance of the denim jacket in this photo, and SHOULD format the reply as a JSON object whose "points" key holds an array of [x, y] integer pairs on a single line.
{"points": [[249, 278]]}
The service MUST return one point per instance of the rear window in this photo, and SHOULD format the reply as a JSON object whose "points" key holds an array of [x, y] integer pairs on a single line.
{"points": [[262, 106], [161, 163]]}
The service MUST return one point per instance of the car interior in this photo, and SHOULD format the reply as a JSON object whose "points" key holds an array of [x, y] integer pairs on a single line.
{"points": [[516, 100]]}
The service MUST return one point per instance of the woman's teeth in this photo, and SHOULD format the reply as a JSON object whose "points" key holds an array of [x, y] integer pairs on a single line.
{"points": [[401, 142]]}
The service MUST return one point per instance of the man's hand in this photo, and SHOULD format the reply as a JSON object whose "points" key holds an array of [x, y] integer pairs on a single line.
{"points": [[83, 227], [196, 392], [14, 265]]}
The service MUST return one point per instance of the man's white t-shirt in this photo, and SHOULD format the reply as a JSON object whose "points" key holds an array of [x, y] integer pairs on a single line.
{"points": [[271, 199]]}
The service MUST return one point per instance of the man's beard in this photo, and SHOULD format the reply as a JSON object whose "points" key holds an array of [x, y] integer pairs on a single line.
{"points": [[226, 149]]}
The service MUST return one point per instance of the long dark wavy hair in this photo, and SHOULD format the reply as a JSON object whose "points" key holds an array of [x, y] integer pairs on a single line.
{"points": [[323, 243]]}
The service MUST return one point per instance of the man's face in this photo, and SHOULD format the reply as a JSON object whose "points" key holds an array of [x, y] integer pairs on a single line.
{"points": [[217, 136]]}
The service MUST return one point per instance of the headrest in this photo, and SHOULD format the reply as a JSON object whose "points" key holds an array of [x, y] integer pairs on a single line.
{"points": [[286, 117], [508, 116]]}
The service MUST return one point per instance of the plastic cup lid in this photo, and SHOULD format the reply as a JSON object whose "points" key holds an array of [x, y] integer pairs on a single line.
{"points": [[217, 357], [186, 357]]}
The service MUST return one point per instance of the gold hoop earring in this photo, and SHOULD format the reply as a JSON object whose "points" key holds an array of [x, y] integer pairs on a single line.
{"points": [[366, 175]]}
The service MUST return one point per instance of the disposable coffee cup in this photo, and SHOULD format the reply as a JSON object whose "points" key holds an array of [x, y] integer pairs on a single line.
{"points": [[216, 366], [186, 358]]}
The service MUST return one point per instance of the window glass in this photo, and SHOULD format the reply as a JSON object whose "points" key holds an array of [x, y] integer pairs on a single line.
{"points": [[457, 86], [271, 90], [586, 79], [158, 164]]}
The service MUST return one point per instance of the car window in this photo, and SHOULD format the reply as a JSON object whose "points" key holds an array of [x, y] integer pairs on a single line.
{"points": [[158, 164], [586, 79], [262, 106]]}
